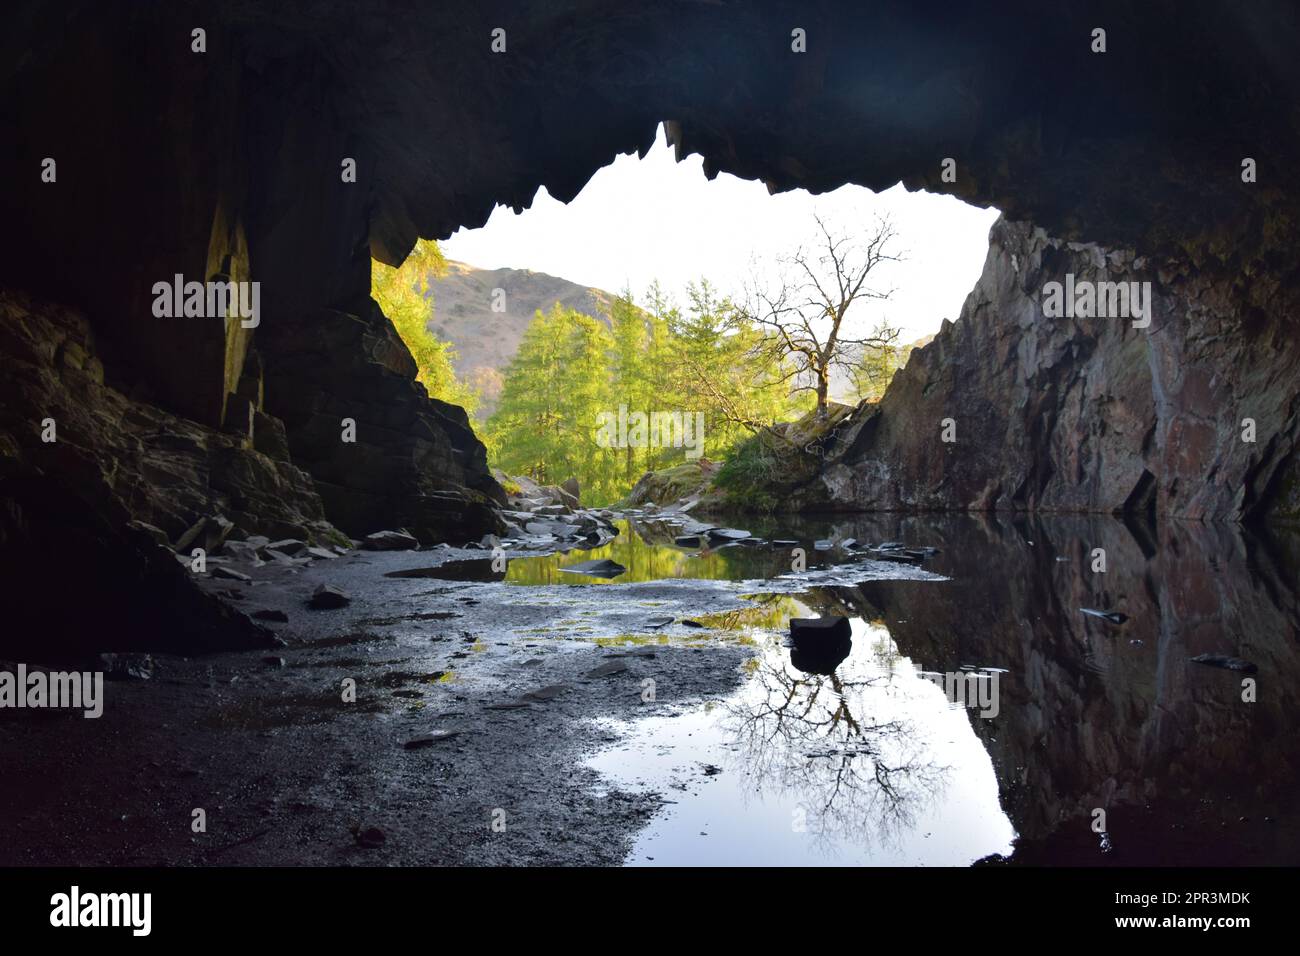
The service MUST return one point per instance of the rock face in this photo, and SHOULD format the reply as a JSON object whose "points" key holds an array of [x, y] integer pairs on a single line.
{"points": [[413, 461], [86, 516], [126, 457], [1085, 414]]}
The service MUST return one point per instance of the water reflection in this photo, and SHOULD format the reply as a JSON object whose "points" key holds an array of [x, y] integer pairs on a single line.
{"points": [[1189, 767], [864, 764], [1192, 764], [861, 770], [647, 551]]}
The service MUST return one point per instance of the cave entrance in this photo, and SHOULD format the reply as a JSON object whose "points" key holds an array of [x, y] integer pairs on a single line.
{"points": [[662, 320]]}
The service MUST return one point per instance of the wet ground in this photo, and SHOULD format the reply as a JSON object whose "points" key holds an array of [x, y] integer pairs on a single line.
{"points": [[662, 716]]}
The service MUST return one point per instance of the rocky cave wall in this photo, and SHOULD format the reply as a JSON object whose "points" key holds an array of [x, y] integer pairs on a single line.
{"points": [[1090, 414], [227, 162]]}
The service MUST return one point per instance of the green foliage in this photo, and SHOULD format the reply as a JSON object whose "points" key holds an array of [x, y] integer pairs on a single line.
{"points": [[545, 423], [751, 475], [571, 369], [876, 368], [403, 294]]}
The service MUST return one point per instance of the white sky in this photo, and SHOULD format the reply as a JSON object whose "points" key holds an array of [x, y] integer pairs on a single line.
{"points": [[637, 220]]}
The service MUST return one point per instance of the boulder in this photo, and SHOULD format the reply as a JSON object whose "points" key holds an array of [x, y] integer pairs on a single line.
{"points": [[289, 546], [819, 645], [327, 598], [390, 541]]}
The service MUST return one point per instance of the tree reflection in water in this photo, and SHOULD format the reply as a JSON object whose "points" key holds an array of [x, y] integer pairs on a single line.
{"points": [[839, 743]]}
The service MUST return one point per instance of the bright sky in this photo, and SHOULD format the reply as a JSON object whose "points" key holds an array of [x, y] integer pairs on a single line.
{"points": [[637, 220]]}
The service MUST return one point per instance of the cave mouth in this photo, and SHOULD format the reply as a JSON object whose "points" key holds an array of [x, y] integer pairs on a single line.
{"points": [[676, 269]]}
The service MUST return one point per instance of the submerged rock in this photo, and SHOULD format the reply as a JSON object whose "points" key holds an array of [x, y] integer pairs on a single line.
{"points": [[603, 568], [900, 557]]}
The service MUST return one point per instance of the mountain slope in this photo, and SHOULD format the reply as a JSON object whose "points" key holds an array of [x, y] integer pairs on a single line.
{"points": [[487, 340]]}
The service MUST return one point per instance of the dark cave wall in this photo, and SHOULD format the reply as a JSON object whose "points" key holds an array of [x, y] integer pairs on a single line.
{"points": [[150, 183], [193, 163]]}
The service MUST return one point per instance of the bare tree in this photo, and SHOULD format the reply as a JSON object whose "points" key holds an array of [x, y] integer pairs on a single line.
{"points": [[804, 311]]}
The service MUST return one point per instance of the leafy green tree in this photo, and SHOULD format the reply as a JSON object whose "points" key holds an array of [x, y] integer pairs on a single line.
{"points": [[572, 369], [720, 358], [633, 385], [555, 388], [876, 367], [403, 295]]}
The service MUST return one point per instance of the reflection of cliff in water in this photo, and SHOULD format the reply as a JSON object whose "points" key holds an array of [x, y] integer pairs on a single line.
{"points": [[1098, 715]]}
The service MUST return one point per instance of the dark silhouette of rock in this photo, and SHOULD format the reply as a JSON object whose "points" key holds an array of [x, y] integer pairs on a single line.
{"points": [[327, 597], [818, 645], [602, 568], [466, 569]]}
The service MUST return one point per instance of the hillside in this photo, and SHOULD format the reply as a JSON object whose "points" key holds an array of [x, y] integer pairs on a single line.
{"points": [[487, 340]]}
